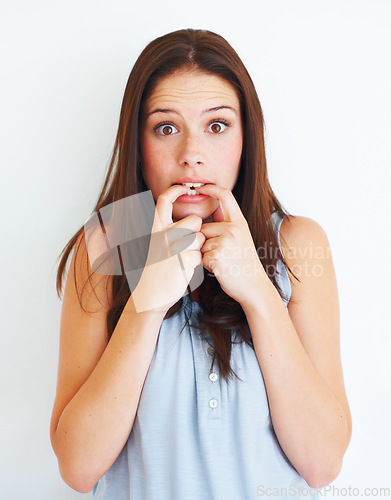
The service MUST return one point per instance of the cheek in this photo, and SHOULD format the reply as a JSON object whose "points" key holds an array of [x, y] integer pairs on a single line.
{"points": [[155, 166], [149, 156], [231, 149], [229, 161], [237, 146], [155, 153]]}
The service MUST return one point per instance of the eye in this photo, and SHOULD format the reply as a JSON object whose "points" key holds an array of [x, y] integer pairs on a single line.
{"points": [[166, 128], [217, 126]]}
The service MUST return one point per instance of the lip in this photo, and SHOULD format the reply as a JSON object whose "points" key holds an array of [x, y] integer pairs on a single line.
{"points": [[192, 179], [193, 198]]}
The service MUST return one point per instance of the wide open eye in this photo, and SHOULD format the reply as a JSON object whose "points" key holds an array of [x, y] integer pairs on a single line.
{"points": [[219, 126], [166, 128]]}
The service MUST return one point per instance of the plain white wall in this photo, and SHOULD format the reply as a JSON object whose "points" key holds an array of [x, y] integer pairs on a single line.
{"points": [[322, 73]]}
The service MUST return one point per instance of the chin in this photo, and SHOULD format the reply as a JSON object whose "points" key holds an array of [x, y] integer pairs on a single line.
{"points": [[181, 212]]}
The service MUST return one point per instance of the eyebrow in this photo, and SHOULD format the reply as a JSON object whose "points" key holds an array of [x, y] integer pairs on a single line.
{"points": [[210, 110]]}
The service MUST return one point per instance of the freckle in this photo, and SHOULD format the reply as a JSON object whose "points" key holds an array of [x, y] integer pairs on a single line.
{"points": [[78, 366]]}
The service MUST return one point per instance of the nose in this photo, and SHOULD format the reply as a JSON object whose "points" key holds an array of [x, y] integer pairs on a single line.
{"points": [[190, 154]]}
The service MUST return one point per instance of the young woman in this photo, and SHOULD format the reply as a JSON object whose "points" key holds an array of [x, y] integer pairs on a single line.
{"points": [[231, 389]]}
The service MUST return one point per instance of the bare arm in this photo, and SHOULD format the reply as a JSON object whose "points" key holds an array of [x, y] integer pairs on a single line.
{"points": [[298, 352], [300, 359], [99, 382], [99, 385]]}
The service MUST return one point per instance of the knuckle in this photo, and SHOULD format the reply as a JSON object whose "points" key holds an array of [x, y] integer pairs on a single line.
{"points": [[198, 257], [161, 199], [213, 254], [164, 195], [196, 220], [201, 238], [233, 231], [212, 265]]}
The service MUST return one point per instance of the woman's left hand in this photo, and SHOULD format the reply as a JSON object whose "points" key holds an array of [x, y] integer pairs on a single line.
{"points": [[228, 251]]}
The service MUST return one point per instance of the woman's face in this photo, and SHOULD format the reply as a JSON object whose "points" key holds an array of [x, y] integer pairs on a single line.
{"points": [[191, 131]]}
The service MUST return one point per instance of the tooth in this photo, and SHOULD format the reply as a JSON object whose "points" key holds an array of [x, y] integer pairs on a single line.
{"points": [[193, 184]]}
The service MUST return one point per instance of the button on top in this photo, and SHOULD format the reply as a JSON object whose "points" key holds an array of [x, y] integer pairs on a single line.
{"points": [[211, 350], [213, 403], [213, 377]]}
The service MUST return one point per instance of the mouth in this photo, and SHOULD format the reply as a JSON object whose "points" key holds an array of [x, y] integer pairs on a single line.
{"points": [[192, 186]]}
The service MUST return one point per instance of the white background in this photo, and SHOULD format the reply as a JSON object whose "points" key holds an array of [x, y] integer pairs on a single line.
{"points": [[322, 73]]}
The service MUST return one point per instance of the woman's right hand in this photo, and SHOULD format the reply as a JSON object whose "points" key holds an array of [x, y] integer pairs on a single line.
{"points": [[174, 253]]}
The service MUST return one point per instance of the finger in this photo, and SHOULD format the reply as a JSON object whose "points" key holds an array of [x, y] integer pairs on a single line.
{"points": [[192, 222], [164, 204], [209, 261], [212, 229], [177, 230], [190, 260], [210, 245], [228, 205], [193, 241]]}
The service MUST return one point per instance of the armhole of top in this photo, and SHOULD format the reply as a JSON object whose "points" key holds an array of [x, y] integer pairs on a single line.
{"points": [[283, 278]]}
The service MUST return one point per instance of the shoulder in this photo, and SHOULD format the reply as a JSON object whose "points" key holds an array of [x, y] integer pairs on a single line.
{"points": [[303, 240], [297, 230], [306, 250]]}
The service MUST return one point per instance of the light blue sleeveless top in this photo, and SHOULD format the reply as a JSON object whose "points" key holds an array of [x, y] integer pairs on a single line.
{"points": [[195, 437]]}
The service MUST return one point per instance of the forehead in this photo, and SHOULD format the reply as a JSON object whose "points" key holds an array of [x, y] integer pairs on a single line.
{"points": [[192, 88]]}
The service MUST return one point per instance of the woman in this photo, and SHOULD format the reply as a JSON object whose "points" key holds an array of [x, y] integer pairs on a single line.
{"points": [[169, 390]]}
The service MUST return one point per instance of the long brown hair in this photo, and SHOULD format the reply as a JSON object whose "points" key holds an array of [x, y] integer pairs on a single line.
{"points": [[205, 51]]}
